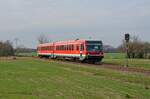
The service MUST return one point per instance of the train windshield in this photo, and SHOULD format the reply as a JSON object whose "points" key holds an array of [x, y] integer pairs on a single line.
{"points": [[94, 46]]}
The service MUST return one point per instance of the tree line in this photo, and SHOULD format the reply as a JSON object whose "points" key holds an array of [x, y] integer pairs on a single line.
{"points": [[6, 48], [137, 48]]}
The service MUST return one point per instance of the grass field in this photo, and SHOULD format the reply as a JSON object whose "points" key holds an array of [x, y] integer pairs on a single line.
{"points": [[119, 59], [114, 55], [27, 54], [112, 58], [28, 78]]}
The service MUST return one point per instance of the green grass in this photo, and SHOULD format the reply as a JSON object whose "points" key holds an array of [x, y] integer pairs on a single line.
{"points": [[114, 55], [27, 54], [119, 59], [27, 78]]}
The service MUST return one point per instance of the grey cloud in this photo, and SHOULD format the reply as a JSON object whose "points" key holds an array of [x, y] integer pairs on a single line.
{"points": [[101, 19]]}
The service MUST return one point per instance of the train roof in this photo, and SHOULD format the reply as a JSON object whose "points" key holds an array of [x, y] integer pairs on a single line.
{"points": [[68, 42]]}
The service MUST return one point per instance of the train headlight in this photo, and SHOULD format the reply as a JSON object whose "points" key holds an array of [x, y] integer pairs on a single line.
{"points": [[88, 53]]}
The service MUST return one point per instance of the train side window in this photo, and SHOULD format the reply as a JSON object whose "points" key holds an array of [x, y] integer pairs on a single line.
{"points": [[82, 47], [63, 47], [67, 47], [72, 47], [77, 48]]}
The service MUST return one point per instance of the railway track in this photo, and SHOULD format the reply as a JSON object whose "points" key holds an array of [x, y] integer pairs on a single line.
{"points": [[102, 65]]}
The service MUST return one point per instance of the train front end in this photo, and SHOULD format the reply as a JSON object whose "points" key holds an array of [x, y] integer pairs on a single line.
{"points": [[94, 51]]}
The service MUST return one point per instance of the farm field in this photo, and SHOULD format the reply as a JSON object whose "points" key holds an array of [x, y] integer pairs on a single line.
{"points": [[29, 78], [118, 59]]}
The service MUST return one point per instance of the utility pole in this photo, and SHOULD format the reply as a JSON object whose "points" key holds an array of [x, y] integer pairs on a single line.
{"points": [[16, 45], [127, 39], [16, 42]]}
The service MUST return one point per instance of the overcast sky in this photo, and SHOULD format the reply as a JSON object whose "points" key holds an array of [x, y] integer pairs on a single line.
{"points": [[107, 20]]}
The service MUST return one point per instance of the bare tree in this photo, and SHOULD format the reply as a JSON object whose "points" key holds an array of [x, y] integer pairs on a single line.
{"points": [[16, 40], [137, 48], [42, 39], [6, 48], [146, 50]]}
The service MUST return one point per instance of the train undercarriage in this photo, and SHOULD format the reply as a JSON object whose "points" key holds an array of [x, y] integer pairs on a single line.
{"points": [[83, 59]]}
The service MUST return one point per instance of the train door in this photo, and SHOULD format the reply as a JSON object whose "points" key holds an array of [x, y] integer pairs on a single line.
{"points": [[81, 51], [53, 51]]}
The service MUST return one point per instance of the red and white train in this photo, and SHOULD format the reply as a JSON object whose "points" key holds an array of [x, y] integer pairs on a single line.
{"points": [[83, 50]]}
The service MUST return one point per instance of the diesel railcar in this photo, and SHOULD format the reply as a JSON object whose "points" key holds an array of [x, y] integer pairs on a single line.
{"points": [[83, 50]]}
